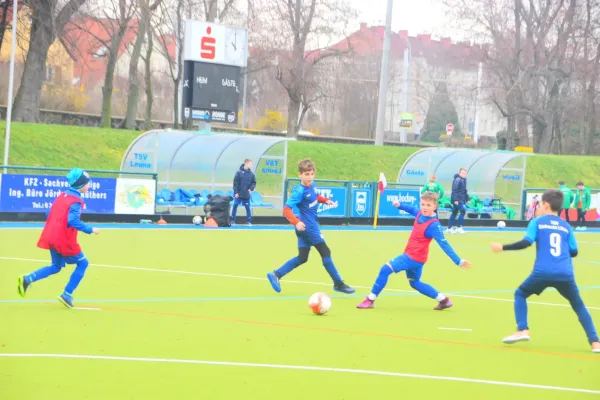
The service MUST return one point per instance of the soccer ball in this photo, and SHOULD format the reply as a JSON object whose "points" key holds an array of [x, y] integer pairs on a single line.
{"points": [[197, 220], [319, 303], [501, 224]]}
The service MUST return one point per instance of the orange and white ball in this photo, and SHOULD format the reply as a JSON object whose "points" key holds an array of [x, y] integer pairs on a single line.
{"points": [[319, 303]]}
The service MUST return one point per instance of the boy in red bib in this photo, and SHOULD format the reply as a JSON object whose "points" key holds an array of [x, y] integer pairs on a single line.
{"points": [[60, 237], [426, 228]]}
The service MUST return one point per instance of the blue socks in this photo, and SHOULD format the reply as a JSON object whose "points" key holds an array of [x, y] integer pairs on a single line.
{"points": [[576, 304], [42, 273], [382, 279], [295, 262], [331, 269], [521, 309], [74, 281], [76, 277], [425, 289], [288, 267]]}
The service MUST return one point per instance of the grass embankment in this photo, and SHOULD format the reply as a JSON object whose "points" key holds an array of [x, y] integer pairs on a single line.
{"points": [[98, 148]]}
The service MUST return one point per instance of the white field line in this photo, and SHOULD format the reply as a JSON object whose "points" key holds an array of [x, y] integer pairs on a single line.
{"points": [[286, 281], [456, 329], [307, 368]]}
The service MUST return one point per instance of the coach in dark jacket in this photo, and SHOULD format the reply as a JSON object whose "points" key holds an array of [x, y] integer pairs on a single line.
{"points": [[459, 199], [244, 184]]}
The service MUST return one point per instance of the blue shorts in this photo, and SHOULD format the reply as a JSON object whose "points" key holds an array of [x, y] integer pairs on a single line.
{"points": [[309, 238], [237, 201], [536, 285], [58, 260], [414, 269]]}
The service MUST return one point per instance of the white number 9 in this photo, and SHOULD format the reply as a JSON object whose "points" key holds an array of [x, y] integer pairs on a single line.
{"points": [[555, 248]]}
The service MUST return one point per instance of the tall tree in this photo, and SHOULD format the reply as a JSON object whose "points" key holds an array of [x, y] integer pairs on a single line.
{"points": [[47, 23], [5, 6], [148, 78], [301, 25], [441, 111], [532, 45], [134, 94]]}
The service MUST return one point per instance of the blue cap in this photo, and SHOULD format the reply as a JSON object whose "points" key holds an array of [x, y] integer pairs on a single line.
{"points": [[78, 178]]}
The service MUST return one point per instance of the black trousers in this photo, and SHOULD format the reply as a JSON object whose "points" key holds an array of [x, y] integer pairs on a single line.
{"points": [[566, 210], [580, 217]]}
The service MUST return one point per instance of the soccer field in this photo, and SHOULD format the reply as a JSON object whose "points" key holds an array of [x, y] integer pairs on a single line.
{"points": [[189, 313]]}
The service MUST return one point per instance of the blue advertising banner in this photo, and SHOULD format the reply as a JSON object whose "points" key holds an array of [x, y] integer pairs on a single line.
{"points": [[336, 194], [362, 203], [36, 193], [406, 196]]}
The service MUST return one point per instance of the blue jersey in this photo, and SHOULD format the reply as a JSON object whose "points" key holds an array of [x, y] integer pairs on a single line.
{"points": [[555, 241], [304, 200]]}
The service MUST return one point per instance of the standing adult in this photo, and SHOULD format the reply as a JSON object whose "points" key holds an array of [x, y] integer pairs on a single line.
{"points": [[583, 199], [568, 199], [244, 184], [459, 199]]}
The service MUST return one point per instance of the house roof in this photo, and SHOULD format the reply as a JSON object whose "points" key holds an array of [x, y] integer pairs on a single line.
{"points": [[369, 41], [169, 42]]}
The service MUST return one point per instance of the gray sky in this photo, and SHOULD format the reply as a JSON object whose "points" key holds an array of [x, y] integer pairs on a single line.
{"points": [[416, 16]]}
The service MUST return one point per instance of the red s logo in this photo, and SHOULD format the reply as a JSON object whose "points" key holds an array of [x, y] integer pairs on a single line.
{"points": [[208, 46]]}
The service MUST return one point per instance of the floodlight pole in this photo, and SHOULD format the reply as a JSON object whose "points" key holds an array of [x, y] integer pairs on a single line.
{"points": [[477, 97], [384, 76], [11, 79]]}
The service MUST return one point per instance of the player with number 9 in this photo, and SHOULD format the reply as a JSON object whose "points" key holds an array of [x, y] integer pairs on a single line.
{"points": [[553, 267]]}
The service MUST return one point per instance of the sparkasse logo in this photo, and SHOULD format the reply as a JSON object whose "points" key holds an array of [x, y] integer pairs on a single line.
{"points": [[208, 45]]}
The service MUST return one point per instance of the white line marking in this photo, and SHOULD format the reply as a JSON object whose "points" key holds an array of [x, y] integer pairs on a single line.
{"points": [[287, 281], [88, 308], [456, 329], [308, 368]]}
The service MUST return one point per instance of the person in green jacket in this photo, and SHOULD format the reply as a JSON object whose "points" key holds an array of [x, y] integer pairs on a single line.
{"points": [[583, 199], [568, 201], [433, 186]]}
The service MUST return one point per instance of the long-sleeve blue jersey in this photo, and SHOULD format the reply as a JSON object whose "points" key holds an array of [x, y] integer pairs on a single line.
{"points": [[556, 245], [74, 219], [434, 231]]}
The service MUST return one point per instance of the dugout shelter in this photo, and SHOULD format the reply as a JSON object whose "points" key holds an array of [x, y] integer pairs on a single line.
{"points": [[191, 165], [491, 174]]}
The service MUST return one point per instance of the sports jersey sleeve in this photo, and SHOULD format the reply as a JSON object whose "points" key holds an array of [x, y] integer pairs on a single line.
{"points": [[573, 249], [293, 201], [75, 221], [322, 199], [532, 231], [409, 209], [435, 231], [528, 240], [296, 197]]}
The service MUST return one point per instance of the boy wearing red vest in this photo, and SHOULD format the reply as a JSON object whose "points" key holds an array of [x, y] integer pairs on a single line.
{"points": [[60, 237], [425, 228]]}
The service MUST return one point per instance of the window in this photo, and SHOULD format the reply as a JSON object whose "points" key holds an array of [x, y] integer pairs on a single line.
{"points": [[49, 78]]}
